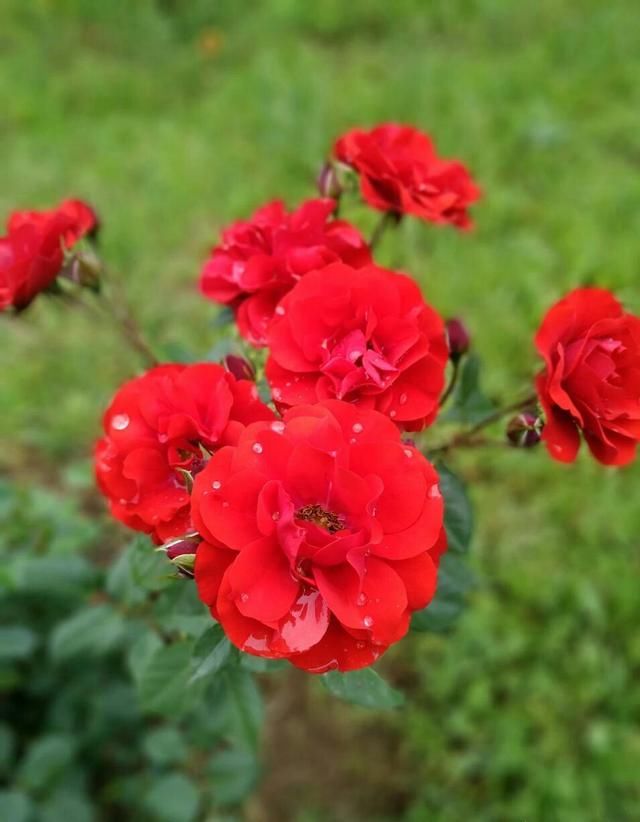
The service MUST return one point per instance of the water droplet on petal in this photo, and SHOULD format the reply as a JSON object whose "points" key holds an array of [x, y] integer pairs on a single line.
{"points": [[277, 394], [403, 399], [225, 504], [216, 485], [408, 452], [367, 622], [244, 597], [280, 310], [357, 427], [162, 438], [353, 440], [362, 600], [277, 426], [256, 448], [120, 422], [360, 645], [392, 414], [275, 516]]}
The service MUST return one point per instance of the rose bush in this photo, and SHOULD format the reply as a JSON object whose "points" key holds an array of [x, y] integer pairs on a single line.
{"points": [[314, 531], [363, 335], [261, 259], [401, 172], [32, 251], [591, 379], [159, 430], [322, 533]]}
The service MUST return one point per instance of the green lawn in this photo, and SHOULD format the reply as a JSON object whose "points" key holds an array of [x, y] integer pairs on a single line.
{"points": [[174, 118]]}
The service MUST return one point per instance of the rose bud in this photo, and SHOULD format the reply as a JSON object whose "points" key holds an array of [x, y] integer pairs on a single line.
{"points": [[182, 552], [524, 430], [85, 269], [458, 337], [240, 368], [328, 182], [182, 545]]}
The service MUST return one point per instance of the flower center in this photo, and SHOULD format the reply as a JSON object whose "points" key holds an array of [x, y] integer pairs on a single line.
{"points": [[325, 519]]}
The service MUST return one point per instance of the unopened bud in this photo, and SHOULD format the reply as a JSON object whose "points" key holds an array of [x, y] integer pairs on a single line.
{"points": [[181, 546], [328, 182], [239, 367], [84, 268], [458, 337], [182, 552], [525, 429]]}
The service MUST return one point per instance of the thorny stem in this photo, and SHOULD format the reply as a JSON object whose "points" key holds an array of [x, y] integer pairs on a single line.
{"points": [[387, 219], [121, 313], [469, 438]]}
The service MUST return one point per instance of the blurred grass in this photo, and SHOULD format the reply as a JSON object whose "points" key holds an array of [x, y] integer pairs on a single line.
{"points": [[175, 118]]}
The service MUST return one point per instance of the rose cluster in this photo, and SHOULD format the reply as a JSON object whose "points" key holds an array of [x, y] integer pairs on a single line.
{"points": [[313, 525], [317, 529]]}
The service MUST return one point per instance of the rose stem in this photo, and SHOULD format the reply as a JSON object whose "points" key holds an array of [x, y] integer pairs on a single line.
{"points": [[468, 437]]}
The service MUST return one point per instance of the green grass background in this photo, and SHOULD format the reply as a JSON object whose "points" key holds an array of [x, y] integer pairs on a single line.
{"points": [[174, 118]]}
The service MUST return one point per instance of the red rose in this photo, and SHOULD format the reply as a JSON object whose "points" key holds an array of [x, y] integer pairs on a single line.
{"points": [[591, 382], [261, 259], [158, 427], [400, 172], [322, 533], [363, 335], [32, 252]]}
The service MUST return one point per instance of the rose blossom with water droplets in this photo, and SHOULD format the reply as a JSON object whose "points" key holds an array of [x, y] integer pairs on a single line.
{"points": [[320, 550]]}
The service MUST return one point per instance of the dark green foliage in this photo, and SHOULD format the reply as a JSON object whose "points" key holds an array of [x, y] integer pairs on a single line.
{"points": [[98, 717]]}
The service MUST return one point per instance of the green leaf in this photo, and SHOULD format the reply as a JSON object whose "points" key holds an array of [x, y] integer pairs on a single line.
{"points": [[16, 807], [173, 798], [469, 404], [224, 346], [145, 645], [138, 570], [454, 582], [92, 631], [66, 805], [364, 687], [234, 774], [7, 749], [52, 575], [262, 665], [211, 653], [163, 680], [165, 746], [223, 318], [245, 709], [458, 514], [16, 642], [45, 762]]}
